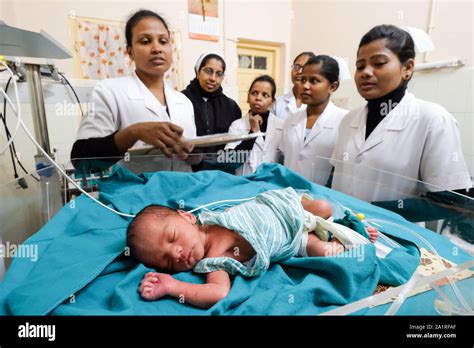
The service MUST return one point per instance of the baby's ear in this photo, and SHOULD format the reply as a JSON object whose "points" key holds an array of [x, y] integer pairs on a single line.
{"points": [[188, 216]]}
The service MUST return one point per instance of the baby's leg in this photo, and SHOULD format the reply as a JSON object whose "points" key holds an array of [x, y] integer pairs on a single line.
{"points": [[317, 207], [316, 247]]}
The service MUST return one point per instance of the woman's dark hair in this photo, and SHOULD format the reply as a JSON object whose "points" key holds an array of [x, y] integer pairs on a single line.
{"points": [[212, 56], [307, 53], [329, 67], [398, 40], [265, 78], [137, 17]]}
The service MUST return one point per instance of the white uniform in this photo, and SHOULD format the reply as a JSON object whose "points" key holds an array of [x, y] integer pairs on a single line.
{"points": [[417, 139], [304, 155], [285, 105], [265, 149], [121, 102]]}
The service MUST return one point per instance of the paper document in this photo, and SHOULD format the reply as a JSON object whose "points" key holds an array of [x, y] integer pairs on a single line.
{"points": [[202, 141]]}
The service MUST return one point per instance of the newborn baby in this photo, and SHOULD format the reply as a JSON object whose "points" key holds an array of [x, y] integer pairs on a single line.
{"points": [[274, 226]]}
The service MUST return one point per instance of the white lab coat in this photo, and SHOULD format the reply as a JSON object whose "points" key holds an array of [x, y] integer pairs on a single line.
{"points": [[310, 157], [121, 102], [265, 149], [285, 105], [417, 139]]}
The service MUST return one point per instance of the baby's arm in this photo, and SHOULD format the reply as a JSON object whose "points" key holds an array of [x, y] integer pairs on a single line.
{"points": [[156, 285]]}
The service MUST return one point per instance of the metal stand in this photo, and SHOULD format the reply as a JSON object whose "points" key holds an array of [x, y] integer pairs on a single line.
{"points": [[49, 179]]}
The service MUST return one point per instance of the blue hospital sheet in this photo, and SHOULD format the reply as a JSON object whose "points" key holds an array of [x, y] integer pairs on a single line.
{"points": [[82, 269]]}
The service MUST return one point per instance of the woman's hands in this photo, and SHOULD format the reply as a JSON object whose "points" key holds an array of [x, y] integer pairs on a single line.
{"points": [[255, 122], [165, 136]]}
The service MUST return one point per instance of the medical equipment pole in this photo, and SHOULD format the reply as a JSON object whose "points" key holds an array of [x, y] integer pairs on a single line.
{"points": [[33, 78], [49, 178]]}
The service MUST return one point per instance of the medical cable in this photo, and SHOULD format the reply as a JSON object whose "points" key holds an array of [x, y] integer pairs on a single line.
{"points": [[7, 132], [216, 202], [13, 153], [17, 112], [11, 145], [56, 164], [73, 91]]}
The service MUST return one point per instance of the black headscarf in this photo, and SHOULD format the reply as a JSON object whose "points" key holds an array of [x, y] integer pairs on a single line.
{"points": [[214, 115]]}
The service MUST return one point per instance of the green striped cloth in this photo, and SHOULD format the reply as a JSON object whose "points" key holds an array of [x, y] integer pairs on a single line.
{"points": [[272, 223]]}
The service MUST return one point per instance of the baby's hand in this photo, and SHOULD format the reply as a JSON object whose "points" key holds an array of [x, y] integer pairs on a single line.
{"points": [[373, 233], [154, 285]]}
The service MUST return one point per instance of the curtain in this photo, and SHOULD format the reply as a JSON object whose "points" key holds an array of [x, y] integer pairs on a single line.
{"points": [[101, 48]]}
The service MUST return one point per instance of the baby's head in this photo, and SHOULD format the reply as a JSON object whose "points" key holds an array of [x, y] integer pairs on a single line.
{"points": [[166, 239]]}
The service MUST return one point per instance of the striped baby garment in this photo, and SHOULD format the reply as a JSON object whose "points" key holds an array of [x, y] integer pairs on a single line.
{"points": [[272, 223]]}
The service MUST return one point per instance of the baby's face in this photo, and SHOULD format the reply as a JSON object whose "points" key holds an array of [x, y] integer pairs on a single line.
{"points": [[174, 244]]}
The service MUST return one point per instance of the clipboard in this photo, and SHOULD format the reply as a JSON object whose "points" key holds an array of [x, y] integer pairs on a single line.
{"points": [[198, 142]]}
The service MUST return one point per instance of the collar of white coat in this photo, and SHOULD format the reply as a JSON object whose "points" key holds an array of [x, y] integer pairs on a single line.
{"points": [[290, 101], [139, 91], [325, 120], [289, 96], [396, 120]]}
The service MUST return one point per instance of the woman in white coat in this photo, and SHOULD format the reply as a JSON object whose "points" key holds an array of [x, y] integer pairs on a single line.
{"points": [[141, 108], [290, 102], [263, 149], [309, 135], [388, 146]]}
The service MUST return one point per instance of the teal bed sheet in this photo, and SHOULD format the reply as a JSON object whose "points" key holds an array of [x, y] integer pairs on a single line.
{"points": [[83, 266]]}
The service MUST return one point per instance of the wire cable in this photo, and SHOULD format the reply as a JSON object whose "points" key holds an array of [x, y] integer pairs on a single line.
{"points": [[17, 112], [13, 152], [58, 167], [73, 91]]}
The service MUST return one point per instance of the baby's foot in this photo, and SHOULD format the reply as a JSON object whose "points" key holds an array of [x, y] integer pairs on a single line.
{"points": [[154, 285], [373, 233]]}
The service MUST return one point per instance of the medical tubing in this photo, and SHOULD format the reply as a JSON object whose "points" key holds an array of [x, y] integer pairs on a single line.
{"points": [[73, 91], [451, 307], [62, 171], [453, 285], [17, 112], [402, 295], [216, 202], [382, 297]]}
